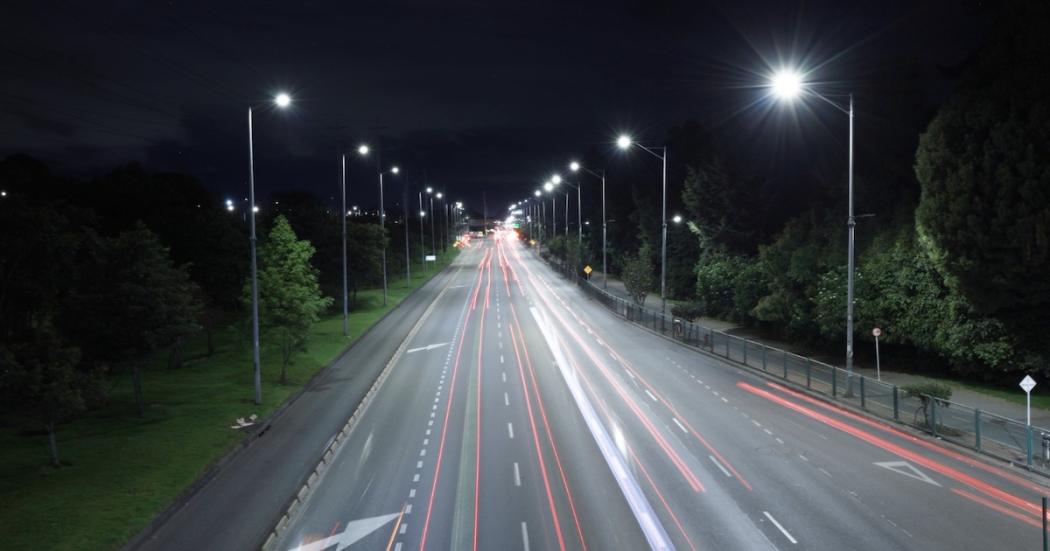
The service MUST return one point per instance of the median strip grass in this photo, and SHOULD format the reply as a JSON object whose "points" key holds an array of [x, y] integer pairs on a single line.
{"points": [[120, 471]]}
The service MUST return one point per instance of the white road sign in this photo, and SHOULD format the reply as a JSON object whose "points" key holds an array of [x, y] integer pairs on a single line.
{"points": [[1028, 383]]}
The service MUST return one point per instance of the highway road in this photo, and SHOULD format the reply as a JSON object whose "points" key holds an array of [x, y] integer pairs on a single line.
{"points": [[519, 414]]}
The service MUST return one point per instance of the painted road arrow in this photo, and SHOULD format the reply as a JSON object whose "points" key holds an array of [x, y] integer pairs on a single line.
{"points": [[907, 469], [425, 348], [355, 530]]}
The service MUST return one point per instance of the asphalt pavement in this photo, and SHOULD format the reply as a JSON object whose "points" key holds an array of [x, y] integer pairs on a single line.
{"points": [[520, 414]]}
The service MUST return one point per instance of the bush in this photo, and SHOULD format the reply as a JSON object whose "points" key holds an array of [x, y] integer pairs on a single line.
{"points": [[940, 391], [688, 310]]}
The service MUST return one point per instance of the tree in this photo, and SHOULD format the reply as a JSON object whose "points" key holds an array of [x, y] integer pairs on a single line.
{"points": [[638, 275], [130, 300], [39, 380], [290, 298], [365, 243], [983, 168]]}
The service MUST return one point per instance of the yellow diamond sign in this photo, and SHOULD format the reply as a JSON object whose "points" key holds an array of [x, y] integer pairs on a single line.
{"points": [[587, 270]]}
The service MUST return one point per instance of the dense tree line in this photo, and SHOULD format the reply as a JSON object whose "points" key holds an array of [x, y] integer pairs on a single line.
{"points": [[96, 276]]}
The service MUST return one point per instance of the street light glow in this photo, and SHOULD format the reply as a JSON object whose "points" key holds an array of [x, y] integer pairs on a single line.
{"points": [[362, 149], [430, 190], [556, 179], [537, 193], [459, 205], [547, 186], [439, 195], [623, 142], [786, 84], [574, 166], [677, 219], [283, 100], [394, 170]]}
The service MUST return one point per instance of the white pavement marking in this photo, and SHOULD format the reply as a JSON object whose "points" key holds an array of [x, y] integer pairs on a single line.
{"points": [[757, 424], [779, 527], [724, 399], [803, 457], [412, 493], [501, 358], [524, 536], [422, 452], [404, 527], [506, 399], [408, 509], [719, 465], [907, 469], [825, 472], [425, 348], [354, 531], [419, 464], [397, 547], [650, 395], [767, 431], [780, 441], [426, 441], [415, 478], [504, 375], [517, 475], [510, 430], [675, 419]]}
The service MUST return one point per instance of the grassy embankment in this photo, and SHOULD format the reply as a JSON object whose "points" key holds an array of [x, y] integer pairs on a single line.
{"points": [[121, 471]]}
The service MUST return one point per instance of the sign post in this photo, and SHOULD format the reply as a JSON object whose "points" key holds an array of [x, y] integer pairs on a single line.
{"points": [[878, 371], [1027, 384]]}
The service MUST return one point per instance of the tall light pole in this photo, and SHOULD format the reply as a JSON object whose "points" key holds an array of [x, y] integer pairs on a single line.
{"points": [[281, 100], [548, 186], [422, 244], [576, 167], [404, 211], [433, 242], [624, 142], [788, 85]]}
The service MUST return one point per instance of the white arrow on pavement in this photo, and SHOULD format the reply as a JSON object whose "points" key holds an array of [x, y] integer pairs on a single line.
{"points": [[907, 469], [425, 348], [355, 530]]}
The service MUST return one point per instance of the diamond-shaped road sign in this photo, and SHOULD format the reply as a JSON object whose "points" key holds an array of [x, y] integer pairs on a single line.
{"points": [[1028, 383], [587, 270]]}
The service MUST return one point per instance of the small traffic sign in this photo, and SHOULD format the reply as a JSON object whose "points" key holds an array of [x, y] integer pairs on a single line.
{"points": [[587, 270], [877, 332], [1028, 383]]}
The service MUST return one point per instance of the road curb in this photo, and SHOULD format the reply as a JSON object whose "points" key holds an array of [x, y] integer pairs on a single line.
{"points": [[218, 465]]}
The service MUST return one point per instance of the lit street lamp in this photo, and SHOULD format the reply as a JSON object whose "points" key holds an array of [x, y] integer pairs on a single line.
{"points": [[363, 151], [576, 167], [624, 142], [282, 101], [788, 85]]}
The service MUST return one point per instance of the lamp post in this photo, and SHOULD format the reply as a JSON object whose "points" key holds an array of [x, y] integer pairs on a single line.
{"points": [[788, 85], [422, 244], [576, 167], [624, 142], [433, 242], [281, 100]]}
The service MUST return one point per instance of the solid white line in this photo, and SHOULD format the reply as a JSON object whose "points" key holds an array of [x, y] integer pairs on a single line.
{"points": [[675, 419], [517, 475], [779, 527], [506, 399], [719, 465], [650, 394], [510, 430], [524, 536]]}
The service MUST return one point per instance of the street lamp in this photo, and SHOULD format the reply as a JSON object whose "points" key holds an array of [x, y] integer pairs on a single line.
{"points": [[677, 219], [281, 100], [787, 85], [576, 167], [625, 142], [364, 151]]}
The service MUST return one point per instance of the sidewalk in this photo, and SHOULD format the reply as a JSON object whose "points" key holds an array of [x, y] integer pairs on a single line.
{"points": [[962, 395]]}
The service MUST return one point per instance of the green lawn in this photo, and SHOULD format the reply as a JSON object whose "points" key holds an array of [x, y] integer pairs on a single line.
{"points": [[121, 471]]}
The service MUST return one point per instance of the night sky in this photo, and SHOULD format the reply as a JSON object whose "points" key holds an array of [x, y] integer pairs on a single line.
{"points": [[473, 95]]}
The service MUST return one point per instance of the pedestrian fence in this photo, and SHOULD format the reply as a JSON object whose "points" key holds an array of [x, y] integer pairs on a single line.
{"points": [[992, 434]]}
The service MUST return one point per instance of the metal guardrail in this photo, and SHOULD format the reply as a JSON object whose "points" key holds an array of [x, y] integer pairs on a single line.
{"points": [[986, 432]]}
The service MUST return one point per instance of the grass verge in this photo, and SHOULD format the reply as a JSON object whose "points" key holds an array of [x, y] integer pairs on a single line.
{"points": [[121, 471]]}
